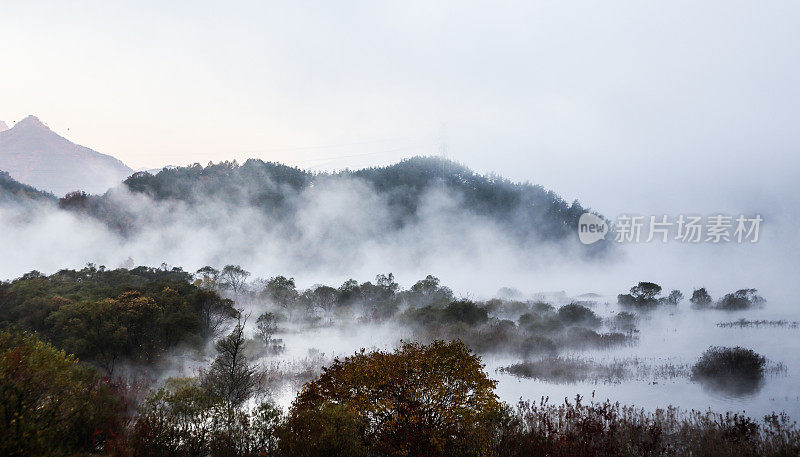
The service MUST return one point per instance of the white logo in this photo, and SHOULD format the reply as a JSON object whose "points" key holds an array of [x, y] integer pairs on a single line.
{"points": [[591, 228]]}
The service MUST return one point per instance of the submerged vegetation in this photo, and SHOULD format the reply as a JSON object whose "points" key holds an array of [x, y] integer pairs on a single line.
{"points": [[647, 295], [700, 298], [723, 362], [137, 316], [744, 323], [735, 370], [736, 301], [71, 341], [433, 400], [568, 370], [741, 299]]}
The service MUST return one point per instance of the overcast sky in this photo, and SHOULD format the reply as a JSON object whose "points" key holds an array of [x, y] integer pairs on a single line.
{"points": [[627, 105]]}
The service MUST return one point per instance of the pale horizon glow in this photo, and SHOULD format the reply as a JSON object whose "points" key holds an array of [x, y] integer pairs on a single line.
{"points": [[609, 105]]}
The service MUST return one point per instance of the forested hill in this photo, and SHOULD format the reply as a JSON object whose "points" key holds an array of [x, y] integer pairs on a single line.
{"points": [[13, 190], [522, 210]]}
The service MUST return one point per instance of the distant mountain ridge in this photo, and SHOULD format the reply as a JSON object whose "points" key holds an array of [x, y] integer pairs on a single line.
{"points": [[524, 212], [35, 155]]}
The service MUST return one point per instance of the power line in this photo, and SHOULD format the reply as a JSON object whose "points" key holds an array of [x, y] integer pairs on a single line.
{"points": [[388, 151]]}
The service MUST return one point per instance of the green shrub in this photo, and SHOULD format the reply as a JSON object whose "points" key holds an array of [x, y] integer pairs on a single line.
{"points": [[536, 345], [575, 314], [700, 298], [739, 300], [465, 311], [726, 362]]}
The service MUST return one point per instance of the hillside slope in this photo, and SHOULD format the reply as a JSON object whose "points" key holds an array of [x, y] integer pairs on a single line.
{"points": [[400, 197], [35, 155], [12, 190]]}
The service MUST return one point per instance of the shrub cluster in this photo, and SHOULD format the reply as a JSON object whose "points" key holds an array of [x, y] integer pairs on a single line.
{"points": [[736, 301], [434, 400], [646, 295], [737, 371]]}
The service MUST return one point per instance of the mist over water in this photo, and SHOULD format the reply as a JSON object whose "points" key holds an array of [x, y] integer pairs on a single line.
{"points": [[677, 340], [343, 230], [389, 216]]}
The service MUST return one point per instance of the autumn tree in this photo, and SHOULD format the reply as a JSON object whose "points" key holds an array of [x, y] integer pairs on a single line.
{"points": [[207, 278], [434, 400], [52, 404]]}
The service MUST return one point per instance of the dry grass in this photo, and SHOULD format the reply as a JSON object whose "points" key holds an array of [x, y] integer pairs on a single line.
{"points": [[609, 429], [744, 323], [567, 370]]}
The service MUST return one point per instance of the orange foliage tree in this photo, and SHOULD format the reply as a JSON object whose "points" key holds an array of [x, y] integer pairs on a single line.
{"points": [[432, 400]]}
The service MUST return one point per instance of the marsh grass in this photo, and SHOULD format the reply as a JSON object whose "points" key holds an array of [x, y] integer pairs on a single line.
{"points": [[568, 370], [610, 429], [744, 323], [295, 372]]}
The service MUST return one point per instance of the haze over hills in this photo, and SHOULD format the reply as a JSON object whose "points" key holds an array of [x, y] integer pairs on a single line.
{"points": [[416, 198], [33, 154], [419, 215], [14, 191]]}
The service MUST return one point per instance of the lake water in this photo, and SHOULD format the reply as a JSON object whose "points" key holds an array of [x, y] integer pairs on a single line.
{"points": [[676, 336]]}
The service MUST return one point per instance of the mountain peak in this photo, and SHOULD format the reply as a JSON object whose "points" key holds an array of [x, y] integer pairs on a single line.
{"points": [[35, 155], [31, 121], [3, 126]]}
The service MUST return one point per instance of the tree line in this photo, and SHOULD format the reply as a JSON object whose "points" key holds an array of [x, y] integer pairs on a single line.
{"points": [[526, 212]]}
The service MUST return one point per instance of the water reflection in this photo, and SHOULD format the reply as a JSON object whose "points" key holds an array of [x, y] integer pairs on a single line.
{"points": [[730, 387]]}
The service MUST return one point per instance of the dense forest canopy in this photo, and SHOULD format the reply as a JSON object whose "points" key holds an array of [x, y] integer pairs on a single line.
{"points": [[109, 316], [524, 212]]}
